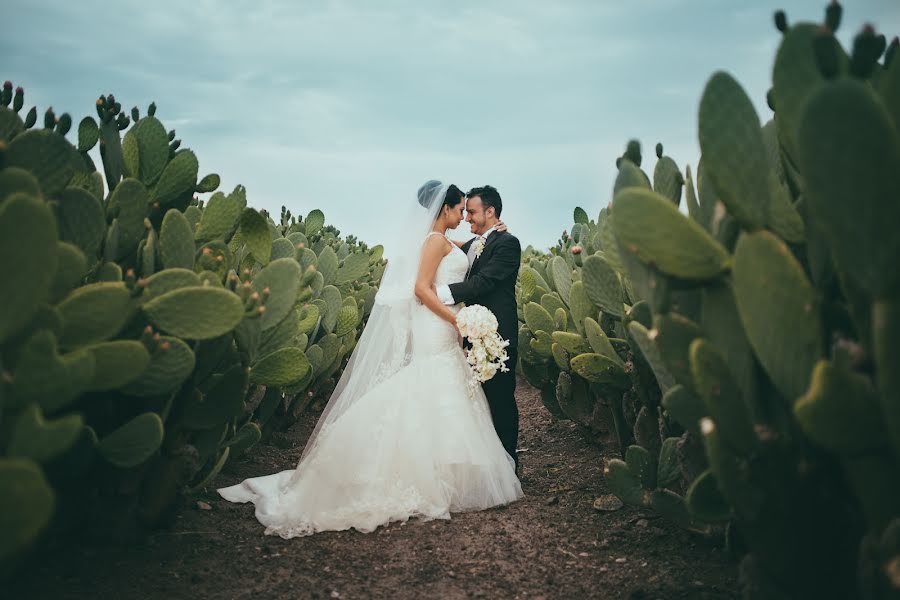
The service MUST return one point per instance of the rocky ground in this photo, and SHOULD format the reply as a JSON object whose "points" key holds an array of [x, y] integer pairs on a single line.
{"points": [[551, 544]]}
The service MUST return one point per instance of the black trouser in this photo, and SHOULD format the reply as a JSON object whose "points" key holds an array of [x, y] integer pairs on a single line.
{"points": [[501, 396]]}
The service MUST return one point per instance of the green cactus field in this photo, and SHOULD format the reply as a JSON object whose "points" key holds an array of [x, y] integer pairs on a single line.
{"points": [[708, 362]]}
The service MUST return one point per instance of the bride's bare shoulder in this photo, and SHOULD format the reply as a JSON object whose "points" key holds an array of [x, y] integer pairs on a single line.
{"points": [[437, 244]]}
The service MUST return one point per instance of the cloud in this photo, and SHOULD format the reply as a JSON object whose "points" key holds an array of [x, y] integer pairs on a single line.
{"points": [[349, 105]]}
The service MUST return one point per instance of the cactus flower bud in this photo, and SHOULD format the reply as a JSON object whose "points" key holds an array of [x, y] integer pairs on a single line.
{"points": [[781, 23], [254, 296], [576, 250], [261, 310], [64, 124], [19, 99], [49, 119], [867, 47], [135, 114], [833, 16], [219, 258], [151, 110], [7, 85], [206, 252], [659, 150]]}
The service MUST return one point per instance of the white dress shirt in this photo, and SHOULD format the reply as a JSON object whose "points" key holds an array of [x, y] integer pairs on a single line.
{"points": [[443, 292]]}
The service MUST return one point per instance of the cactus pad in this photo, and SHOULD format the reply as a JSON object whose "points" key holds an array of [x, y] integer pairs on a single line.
{"points": [[93, 313], [40, 440], [255, 234], [176, 241], [195, 313], [26, 506], [28, 242], [841, 412], [134, 442], [734, 154], [171, 363], [686, 251], [81, 221], [774, 296], [282, 278], [597, 368], [282, 367], [850, 148]]}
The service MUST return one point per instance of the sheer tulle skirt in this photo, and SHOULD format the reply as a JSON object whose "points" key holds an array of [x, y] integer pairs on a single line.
{"points": [[419, 444]]}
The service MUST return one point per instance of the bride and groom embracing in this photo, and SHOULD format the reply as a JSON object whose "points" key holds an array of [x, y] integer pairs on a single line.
{"points": [[405, 434]]}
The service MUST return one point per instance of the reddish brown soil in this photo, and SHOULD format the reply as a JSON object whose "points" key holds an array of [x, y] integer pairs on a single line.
{"points": [[551, 544]]}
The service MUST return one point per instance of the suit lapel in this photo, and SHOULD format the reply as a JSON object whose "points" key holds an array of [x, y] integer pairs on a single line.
{"points": [[487, 244]]}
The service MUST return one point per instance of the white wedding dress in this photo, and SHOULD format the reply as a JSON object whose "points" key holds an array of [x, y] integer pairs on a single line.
{"points": [[418, 444]]}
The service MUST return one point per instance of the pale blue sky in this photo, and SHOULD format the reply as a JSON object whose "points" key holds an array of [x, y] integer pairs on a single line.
{"points": [[349, 106]]}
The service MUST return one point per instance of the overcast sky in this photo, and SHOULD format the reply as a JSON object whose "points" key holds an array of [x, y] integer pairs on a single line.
{"points": [[349, 106]]}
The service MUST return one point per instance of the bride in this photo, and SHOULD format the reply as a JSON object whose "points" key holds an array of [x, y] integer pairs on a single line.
{"points": [[403, 435]]}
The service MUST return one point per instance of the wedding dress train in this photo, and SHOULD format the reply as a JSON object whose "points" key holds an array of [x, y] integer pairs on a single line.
{"points": [[417, 444]]}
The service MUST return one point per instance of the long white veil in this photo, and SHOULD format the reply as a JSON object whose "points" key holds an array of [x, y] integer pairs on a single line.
{"points": [[386, 342]]}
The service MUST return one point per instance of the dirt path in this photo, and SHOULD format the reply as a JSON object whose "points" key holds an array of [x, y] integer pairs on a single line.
{"points": [[552, 544]]}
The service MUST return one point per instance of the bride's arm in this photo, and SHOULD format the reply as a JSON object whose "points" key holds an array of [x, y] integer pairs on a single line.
{"points": [[434, 250]]}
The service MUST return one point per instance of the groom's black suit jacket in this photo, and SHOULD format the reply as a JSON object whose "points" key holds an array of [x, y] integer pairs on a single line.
{"points": [[492, 283]]}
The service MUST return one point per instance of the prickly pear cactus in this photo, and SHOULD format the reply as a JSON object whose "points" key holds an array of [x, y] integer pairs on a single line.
{"points": [[149, 335]]}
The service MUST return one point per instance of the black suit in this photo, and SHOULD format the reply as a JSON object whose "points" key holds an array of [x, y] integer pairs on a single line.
{"points": [[491, 282]]}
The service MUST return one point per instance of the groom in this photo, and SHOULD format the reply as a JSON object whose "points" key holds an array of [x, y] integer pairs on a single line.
{"points": [[494, 258]]}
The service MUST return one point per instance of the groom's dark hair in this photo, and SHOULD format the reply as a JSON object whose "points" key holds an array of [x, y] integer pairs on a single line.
{"points": [[489, 197]]}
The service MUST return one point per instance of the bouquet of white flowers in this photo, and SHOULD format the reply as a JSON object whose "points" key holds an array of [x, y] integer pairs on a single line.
{"points": [[488, 352]]}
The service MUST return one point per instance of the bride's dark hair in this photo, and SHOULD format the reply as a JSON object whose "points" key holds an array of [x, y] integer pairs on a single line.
{"points": [[452, 198]]}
